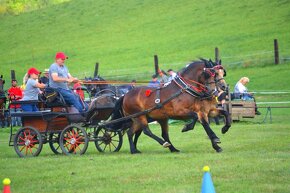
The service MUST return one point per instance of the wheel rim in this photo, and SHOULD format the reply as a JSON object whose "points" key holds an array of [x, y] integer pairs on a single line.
{"points": [[108, 141], [73, 140], [27, 142]]}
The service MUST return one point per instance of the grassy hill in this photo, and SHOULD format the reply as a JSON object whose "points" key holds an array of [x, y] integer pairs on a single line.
{"points": [[124, 36]]}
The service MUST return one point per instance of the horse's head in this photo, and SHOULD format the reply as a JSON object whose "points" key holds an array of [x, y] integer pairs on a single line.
{"points": [[220, 73], [201, 74]]}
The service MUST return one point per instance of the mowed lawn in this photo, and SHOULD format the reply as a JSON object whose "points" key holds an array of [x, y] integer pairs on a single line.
{"points": [[256, 158]]}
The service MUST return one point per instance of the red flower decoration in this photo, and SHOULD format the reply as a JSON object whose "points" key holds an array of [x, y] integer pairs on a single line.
{"points": [[148, 92]]}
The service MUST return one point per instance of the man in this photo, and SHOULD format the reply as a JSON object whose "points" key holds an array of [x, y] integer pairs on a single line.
{"points": [[59, 77], [15, 94], [154, 82]]}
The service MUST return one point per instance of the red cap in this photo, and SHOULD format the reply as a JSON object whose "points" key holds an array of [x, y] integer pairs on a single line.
{"points": [[60, 55], [33, 71]]}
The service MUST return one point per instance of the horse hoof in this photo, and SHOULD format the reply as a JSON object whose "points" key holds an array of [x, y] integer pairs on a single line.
{"points": [[174, 150], [185, 129], [219, 150], [225, 129], [166, 144], [135, 152]]}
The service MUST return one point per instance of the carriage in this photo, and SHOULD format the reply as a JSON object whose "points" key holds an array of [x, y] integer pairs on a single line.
{"points": [[65, 130]]}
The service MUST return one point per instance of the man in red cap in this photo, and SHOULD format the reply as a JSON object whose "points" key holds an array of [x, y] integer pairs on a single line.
{"points": [[59, 78]]}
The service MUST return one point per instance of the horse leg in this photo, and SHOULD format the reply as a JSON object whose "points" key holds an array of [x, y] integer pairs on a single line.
{"points": [[190, 126], [227, 120], [212, 136], [137, 134], [165, 135], [130, 134]]}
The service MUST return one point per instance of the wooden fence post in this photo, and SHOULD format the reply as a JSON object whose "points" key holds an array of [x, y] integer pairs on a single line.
{"points": [[217, 55], [96, 70], [12, 73], [276, 51], [156, 64]]}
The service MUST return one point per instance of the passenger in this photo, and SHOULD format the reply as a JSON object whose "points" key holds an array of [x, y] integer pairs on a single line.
{"points": [[59, 77], [15, 94], [32, 89], [172, 74], [241, 91], [154, 82]]}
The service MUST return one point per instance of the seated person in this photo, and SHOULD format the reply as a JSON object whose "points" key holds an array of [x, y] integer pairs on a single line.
{"points": [[241, 91], [59, 77], [163, 78], [154, 82], [32, 89]]}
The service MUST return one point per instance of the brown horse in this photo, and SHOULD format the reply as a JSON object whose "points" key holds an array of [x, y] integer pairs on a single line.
{"points": [[214, 111], [180, 99], [2, 101]]}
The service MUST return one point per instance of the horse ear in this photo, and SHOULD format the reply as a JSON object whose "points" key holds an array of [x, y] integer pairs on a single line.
{"points": [[220, 62]]}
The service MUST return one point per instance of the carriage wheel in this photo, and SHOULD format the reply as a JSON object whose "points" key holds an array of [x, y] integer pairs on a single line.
{"points": [[73, 140], [108, 141], [27, 142], [54, 143]]}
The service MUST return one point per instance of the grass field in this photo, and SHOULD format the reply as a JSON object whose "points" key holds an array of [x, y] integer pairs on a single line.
{"points": [[123, 37], [255, 159]]}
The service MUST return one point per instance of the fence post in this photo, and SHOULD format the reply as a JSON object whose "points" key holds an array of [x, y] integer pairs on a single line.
{"points": [[12, 73], [276, 51], [96, 69], [217, 55], [156, 64]]}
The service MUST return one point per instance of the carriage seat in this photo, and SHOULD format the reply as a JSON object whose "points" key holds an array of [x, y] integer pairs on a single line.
{"points": [[52, 98]]}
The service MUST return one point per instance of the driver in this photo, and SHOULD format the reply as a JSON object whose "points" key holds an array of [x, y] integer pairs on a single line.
{"points": [[59, 77]]}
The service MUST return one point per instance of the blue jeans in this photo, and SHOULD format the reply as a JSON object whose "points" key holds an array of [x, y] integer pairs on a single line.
{"points": [[15, 121], [29, 107], [72, 99]]}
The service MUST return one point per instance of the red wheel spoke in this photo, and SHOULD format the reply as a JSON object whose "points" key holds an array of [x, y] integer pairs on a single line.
{"points": [[30, 149], [23, 139]]}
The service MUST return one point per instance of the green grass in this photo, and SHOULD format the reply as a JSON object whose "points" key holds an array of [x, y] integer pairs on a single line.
{"points": [[126, 35], [255, 159]]}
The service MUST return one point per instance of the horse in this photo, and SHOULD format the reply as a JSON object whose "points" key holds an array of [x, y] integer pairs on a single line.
{"points": [[214, 111], [2, 101], [180, 99]]}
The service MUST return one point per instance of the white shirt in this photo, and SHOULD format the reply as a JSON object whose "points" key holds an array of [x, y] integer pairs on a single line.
{"points": [[171, 77], [240, 88]]}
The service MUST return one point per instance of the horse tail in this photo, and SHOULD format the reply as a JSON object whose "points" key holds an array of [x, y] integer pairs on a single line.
{"points": [[118, 114]]}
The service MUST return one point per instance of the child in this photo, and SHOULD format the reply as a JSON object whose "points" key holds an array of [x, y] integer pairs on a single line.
{"points": [[32, 90]]}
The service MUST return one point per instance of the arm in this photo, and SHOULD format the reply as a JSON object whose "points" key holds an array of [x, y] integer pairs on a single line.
{"points": [[40, 85], [69, 79]]}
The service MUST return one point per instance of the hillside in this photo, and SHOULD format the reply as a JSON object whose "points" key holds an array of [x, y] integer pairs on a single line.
{"points": [[122, 36]]}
